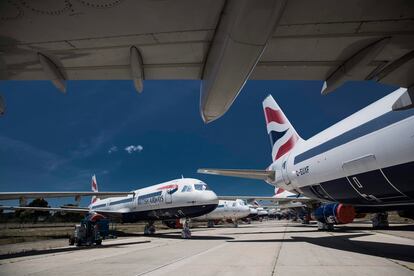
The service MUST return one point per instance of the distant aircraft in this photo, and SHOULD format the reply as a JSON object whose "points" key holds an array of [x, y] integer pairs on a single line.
{"points": [[362, 164], [182, 198], [222, 43], [233, 210]]}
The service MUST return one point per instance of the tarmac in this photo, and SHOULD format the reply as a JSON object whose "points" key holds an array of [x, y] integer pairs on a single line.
{"points": [[268, 248]]}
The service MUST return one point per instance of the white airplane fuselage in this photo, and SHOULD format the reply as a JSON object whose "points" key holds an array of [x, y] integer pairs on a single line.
{"points": [[180, 198], [227, 209], [366, 159]]}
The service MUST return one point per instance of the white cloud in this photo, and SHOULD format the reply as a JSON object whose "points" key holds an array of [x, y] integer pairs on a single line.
{"points": [[113, 149], [131, 149]]}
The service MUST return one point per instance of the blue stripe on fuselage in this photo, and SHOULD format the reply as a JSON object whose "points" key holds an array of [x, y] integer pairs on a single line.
{"points": [[364, 129]]}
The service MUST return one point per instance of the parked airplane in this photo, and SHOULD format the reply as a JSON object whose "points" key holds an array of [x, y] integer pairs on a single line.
{"points": [[233, 210], [176, 199], [362, 164]]}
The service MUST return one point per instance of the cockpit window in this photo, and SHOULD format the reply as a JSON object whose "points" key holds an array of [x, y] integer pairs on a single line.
{"points": [[201, 187], [187, 188]]}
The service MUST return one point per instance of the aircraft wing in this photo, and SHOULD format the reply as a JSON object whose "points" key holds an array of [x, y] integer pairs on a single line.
{"points": [[266, 198], [57, 209], [253, 174], [223, 43], [111, 214], [19, 195]]}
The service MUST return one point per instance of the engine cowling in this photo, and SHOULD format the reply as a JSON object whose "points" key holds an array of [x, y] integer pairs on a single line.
{"points": [[336, 213]]}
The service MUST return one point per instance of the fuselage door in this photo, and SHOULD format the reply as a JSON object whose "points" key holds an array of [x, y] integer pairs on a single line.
{"points": [[168, 196]]}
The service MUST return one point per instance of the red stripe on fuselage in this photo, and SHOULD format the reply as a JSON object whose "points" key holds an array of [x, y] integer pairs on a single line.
{"points": [[274, 116], [286, 147], [173, 186]]}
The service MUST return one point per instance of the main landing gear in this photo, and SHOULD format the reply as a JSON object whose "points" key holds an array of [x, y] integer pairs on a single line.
{"points": [[323, 226], [149, 228], [235, 223], [380, 220], [210, 224], [186, 232]]}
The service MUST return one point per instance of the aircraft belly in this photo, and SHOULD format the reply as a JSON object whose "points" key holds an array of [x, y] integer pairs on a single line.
{"points": [[387, 186], [168, 213]]}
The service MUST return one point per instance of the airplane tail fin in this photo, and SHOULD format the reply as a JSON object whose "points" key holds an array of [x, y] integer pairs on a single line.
{"points": [[283, 136], [94, 186], [278, 192]]}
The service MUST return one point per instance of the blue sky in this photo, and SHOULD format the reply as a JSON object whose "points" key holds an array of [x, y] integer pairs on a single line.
{"points": [[50, 141]]}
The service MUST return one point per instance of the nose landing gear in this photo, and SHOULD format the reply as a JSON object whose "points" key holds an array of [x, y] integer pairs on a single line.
{"points": [[149, 228], [186, 232]]}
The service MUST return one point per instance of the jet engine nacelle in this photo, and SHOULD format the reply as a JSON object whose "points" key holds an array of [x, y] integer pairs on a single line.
{"points": [[335, 213]]}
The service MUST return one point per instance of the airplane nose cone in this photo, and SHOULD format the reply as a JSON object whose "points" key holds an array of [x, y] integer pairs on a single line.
{"points": [[212, 197]]}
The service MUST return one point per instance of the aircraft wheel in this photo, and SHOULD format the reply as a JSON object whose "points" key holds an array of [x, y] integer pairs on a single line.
{"points": [[325, 226]]}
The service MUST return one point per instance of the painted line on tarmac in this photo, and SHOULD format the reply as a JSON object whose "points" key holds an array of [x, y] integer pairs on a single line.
{"points": [[279, 248]]}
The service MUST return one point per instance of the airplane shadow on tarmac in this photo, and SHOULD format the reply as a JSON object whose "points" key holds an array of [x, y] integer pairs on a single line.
{"points": [[65, 249], [400, 252], [270, 232], [176, 235]]}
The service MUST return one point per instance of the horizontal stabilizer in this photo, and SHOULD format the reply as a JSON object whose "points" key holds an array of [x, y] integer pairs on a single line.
{"points": [[248, 198], [252, 174], [265, 198]]}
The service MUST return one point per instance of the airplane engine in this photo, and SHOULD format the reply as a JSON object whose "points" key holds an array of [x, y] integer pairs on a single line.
{"points": [[335, 213]]}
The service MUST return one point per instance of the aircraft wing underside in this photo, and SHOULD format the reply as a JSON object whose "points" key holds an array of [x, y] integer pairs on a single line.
{"points": [[224, 43]]}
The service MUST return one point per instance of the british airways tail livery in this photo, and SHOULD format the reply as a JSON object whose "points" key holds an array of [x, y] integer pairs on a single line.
{"points": [[283, 137], [94, 187], [365, 161]]}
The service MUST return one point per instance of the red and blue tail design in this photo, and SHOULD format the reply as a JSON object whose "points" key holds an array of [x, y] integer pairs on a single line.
{"points": [[94, 187], [283, 136]]}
